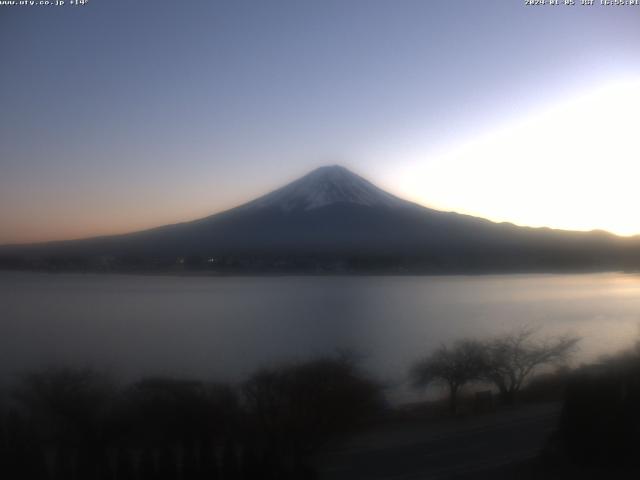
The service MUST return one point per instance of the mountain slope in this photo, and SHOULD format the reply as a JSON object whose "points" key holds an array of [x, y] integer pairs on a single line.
{"points": [[331, 217]]}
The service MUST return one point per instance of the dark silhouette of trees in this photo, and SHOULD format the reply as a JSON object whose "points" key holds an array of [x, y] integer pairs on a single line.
{"points": [[75, 424], [159, 409], [509, 360], [297, 408], [599, 425], [64, 409], [454, 366], [180, 427], [65, 401]]}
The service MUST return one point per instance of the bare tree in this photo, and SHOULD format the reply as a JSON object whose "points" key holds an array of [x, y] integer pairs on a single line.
{"points": [[510, 359], [453, 366]]}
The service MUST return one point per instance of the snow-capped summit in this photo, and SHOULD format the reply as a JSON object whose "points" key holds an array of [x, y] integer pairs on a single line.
{"points": [[326, 186]]}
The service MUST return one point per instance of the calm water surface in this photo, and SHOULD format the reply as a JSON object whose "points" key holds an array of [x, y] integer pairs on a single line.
{"points": [[224, 328]]}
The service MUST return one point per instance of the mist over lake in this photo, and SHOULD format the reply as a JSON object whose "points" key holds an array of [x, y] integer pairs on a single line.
{"points": [[226, 328]]}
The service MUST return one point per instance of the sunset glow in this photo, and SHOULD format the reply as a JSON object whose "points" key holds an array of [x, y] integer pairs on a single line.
{"points": [[573, 166]]}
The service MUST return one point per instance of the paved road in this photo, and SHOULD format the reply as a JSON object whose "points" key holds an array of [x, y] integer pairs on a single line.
{"points": [[457, 448]]}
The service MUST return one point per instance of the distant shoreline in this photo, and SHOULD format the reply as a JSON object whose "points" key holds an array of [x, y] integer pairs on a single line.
{"points": [[211, 274]]}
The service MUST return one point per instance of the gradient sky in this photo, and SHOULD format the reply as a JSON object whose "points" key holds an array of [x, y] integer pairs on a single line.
{"points": [[124, 114]]}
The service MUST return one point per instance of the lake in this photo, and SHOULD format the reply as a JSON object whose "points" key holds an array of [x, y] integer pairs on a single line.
{"points": [[224, 328]]}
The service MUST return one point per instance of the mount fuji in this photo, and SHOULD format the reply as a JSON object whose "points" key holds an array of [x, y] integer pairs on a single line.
{"points": [[332, 220]]}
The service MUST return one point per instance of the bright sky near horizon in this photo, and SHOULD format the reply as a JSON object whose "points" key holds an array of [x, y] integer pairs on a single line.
{"points": [[122, 115]]}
